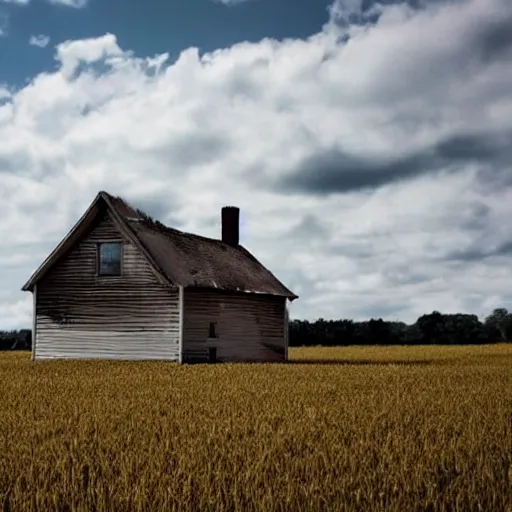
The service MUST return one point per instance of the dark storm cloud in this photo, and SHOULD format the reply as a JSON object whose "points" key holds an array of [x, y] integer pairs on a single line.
{"points": [[334, 171], [493, 151], [481, 250], [493, 39], [487, 147]]}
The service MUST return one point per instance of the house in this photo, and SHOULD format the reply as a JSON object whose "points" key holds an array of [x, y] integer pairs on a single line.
{"points": [[121, 285]]}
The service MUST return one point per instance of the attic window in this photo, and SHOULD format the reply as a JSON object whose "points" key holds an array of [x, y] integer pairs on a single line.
{"points": [[109, 259]]}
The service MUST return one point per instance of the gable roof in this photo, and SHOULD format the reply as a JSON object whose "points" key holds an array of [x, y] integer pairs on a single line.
{"points": [[177, 257]]}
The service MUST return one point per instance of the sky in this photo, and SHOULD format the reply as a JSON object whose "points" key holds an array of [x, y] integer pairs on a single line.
{"points": [[368, 145]]}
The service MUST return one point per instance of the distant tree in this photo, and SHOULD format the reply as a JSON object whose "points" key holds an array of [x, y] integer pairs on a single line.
{"points": [[501, 320], [431, 328], [379, 332]]}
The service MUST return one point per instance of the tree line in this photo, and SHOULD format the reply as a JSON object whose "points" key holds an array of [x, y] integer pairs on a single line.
{"points": [[431, 329]]}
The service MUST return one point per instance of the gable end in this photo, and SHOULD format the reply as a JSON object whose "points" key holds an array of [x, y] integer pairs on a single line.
{"points": [[98, 207]]}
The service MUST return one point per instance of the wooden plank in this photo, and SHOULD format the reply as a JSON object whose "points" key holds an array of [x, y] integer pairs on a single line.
{"points": [[286, 331], [250, 326], [34, 321], [182, 308], [80, 314]]}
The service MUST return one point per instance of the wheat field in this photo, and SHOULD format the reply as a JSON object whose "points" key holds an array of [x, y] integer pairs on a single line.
{"points": [[353, 429]]}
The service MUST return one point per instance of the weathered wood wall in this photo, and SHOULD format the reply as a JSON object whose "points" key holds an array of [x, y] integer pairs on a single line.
{"points": [[82, 315], [251, 327]]}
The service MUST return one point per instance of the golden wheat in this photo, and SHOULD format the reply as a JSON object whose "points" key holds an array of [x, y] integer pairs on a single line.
{"points": [[394, 429]]}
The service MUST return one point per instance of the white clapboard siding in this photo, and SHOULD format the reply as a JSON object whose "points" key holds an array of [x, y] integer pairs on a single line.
{"points": [[250, 326], [82, 315]]}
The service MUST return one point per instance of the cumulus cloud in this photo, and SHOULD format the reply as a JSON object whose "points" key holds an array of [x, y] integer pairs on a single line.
{"points": [[40, 41], [371, 161], [72, 54]]}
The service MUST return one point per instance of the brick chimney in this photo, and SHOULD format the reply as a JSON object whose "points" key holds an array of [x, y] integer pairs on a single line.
{"points": [[230, 225]]}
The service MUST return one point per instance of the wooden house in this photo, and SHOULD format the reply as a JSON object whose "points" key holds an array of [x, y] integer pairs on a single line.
{"points": [[121, 285]]}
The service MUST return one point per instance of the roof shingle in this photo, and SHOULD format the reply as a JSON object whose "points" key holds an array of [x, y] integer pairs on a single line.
{"points": [[195, 261]]}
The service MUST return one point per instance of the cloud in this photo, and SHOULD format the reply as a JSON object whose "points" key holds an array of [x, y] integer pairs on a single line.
{"points": [[17, 2], [231, 2], [371, 161], [4, 24], [71, 54], [330, 171], [77, 4], [40, 40]]}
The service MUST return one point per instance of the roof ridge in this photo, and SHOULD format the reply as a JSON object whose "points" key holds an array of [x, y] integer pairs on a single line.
{"points": [[158, 225]]}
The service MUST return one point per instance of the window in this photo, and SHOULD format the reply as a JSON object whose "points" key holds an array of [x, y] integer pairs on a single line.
{"points": [[213, 330], [109, 259]]}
